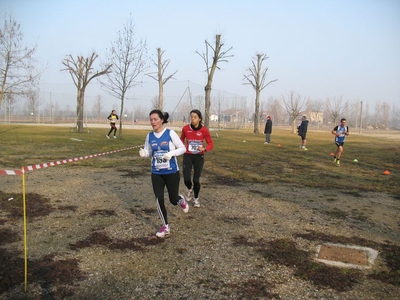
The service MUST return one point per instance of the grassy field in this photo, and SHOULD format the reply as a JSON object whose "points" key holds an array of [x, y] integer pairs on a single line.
{"points": [[265, 208], [237, 156]]}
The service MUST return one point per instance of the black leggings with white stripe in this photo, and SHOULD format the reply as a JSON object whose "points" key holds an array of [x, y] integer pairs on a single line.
{"points": [[195, 162], [159, 182]]}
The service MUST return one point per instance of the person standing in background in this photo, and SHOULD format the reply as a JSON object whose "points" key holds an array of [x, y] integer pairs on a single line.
{"points": [[303, 132], [268, 130]]}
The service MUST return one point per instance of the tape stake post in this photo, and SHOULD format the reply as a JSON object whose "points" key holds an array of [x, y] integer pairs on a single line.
{"points": [[25, 232]]}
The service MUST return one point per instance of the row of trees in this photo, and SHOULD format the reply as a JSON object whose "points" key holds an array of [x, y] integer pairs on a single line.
{"points": [[235, 110], [127, 58]]}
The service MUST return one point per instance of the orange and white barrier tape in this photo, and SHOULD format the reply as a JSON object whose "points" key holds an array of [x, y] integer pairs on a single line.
{"points": [[61, 162], [10, 172]]}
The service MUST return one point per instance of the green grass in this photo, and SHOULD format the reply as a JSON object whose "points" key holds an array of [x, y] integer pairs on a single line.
{"points": [[250, 161]]}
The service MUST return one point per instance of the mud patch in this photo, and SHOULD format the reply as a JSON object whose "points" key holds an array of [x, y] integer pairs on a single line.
{"points": [[55, 277], [100, 238], [103, 212], [36, 205], [255, 289], [72, 208], [8, 236]]}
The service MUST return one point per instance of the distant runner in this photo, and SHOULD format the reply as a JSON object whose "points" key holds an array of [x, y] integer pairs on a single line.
{"points": [[340, 132], [113, 117]]}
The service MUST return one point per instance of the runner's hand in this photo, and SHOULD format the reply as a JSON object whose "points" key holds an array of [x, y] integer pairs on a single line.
{"points": [[142, 152], [167, 156]]}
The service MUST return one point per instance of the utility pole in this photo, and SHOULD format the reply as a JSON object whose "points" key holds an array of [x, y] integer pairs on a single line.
{"points": [[360, 119], [51, 110]]}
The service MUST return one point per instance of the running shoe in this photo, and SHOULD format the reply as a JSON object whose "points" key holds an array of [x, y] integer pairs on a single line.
{"points": [[164, 231], [115, 137], [183, 204], [189, 195], [338, 163], [107, 136], [334, 160], [196, 202]]}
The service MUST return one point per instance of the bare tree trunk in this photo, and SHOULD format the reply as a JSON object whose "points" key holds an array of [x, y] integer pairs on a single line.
{"points": [[121, 115], [79, 110], [160, 80], [294, 126], [257, 112], [207, 104]]}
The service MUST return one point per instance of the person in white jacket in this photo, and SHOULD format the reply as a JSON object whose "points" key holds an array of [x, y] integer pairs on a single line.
{"points": [[163, 146]]}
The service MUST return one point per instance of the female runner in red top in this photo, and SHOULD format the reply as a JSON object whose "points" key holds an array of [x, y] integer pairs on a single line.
{"points": [[194, 134]]}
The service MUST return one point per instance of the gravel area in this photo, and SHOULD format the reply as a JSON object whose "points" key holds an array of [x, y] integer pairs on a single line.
{"points": [[246, 241]]}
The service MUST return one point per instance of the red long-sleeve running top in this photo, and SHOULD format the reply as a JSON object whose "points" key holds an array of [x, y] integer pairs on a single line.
{"points": [[195, 137]]}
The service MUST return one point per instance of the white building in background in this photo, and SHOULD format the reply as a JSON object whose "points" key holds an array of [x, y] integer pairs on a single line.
{"points": [[316, 116], [214, 118]]}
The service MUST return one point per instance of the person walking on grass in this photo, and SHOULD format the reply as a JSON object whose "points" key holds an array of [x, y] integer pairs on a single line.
{"points": [[163, 146], [303, 132], [268, 130], [340, 132], [113, 117], [194, 135]]}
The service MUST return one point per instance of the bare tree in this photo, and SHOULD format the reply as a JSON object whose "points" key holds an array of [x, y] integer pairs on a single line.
{"points": [[17, 71], [256, 78], [32, 101], [395, 117], [276, 111], [294, 104], [128, 58], [155, 102], [81, 71], [316, 108], [199, 102], [9, 104], [211, 62], [385, 110], [161, 67], [98, 106], [335, 107]]}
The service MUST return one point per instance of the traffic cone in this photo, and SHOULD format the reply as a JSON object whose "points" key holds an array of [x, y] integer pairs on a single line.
{"points": [[386, 172], [355, 160], [279, 145]]}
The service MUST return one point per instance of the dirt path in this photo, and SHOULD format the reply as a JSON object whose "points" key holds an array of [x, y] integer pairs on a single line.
{"points": [[247, 241]]}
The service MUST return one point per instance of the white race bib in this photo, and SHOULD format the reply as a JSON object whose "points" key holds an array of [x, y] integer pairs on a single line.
{"points": [[193, 146], [159, 162]]}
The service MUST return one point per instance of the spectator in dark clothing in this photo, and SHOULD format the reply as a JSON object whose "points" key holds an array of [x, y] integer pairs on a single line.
{"points": [[268, 130], [303, 132]]}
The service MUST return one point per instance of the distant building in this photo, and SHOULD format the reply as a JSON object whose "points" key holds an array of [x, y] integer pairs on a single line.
{"points": [[214, 118], [316, 117]]}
